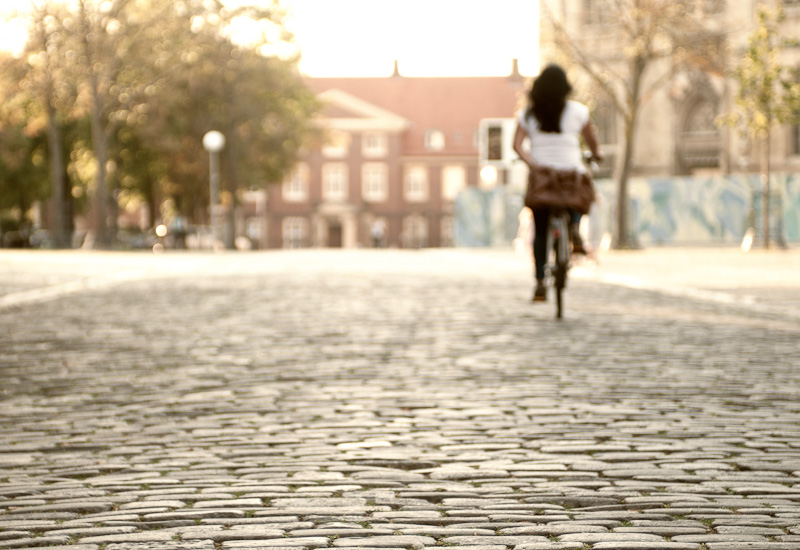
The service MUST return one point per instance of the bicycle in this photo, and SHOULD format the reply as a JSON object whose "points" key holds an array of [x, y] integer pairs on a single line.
{"points": [[559, 246]]}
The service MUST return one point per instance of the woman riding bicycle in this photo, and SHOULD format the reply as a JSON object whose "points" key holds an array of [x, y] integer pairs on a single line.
{"points": [[554, 126]]}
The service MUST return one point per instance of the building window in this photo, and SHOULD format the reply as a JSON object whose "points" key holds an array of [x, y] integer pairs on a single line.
{"points": [[595, 13], [295, 187], [375, 144], [713, 7], [702, 118], [416, 184], [295, 232], [375, 182], [701, 7], [494, 142], [605, 123], [254, 228], [434, 140], [794, 144], [454, 179], [447, 231], [377, 232], [334, 181], [700, 141], [337, 145], [415, 231]]}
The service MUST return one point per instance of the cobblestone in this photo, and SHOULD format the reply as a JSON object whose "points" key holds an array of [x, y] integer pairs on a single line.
{"points": [[398, 400]]}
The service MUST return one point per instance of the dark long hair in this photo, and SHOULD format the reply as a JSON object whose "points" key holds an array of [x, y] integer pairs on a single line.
{"points": [[548, 97]]}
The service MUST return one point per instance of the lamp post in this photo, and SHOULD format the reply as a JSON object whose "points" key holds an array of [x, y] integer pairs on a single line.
{"points": [[213, 142]]}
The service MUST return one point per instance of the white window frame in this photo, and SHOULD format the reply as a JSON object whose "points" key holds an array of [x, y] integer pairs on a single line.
{"points": [[254, 228], [374, 144], [434, 139], [337, 144], [448, 231], [416, 231], [295, 187], [334, 181], [794, 140], [294, 232], [415, 184], [375, 181], [454, 179]]}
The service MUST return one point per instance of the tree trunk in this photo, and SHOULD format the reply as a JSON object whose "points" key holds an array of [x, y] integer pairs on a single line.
{"points": [[113, 207], [62, 225], [623, 240], [765, 189], [69, 204], [152, 205], [61, 231], [101, 192], [100, 200], [233, 185]]}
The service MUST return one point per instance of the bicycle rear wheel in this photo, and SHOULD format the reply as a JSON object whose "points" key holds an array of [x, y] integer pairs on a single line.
{"points": [[559, 277], [561, 264]]}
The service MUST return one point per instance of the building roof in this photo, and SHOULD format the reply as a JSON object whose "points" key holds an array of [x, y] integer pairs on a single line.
{"points": [[347, 112], [452, 105]]}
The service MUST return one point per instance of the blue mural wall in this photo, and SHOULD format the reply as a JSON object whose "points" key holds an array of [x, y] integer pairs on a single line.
{"points": [[711, 210], [486, 217]]}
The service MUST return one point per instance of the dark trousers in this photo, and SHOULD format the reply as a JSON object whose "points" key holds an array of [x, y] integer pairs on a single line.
{"points": [[541, 219]]}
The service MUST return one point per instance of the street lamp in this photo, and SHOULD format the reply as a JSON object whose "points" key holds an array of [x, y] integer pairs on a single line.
{"points": [[213, 142]]}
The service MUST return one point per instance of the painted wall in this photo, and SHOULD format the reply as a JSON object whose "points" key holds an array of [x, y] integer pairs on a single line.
{"points": [[704, 210], [712, 210]]}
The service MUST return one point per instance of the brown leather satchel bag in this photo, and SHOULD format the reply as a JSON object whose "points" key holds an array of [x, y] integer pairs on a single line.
{"points": [[548, 187]]}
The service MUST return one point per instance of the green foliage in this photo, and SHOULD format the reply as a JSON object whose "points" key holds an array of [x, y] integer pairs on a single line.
{"points": [[258, 102], [768, 93], [23, 170], [153, 76], [23, 152]]}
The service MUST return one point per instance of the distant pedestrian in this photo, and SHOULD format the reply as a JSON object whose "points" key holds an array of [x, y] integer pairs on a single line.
{"points": [[179, 232], [554, 126], [378, 232]]}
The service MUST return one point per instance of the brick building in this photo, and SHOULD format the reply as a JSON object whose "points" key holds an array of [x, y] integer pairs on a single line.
{"points": [[397, 151]]}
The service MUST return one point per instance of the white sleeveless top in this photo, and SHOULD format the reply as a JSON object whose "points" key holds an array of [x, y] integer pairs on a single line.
{"points": [[561, 151]]}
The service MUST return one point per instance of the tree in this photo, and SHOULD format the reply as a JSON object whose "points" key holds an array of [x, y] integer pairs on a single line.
{"points": [[23, 149], [152, 77], [115, 34], [768, 95], [41, 82], [142, 167], [23, 170], [630, 53], [255, 97]]}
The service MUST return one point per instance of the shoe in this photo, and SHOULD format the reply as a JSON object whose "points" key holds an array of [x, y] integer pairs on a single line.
{"points": [[576, 240], [539, 293]]}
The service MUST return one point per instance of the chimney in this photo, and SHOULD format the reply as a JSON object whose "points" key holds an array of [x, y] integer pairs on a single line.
{"points": [[515, 74], [396, 68]]}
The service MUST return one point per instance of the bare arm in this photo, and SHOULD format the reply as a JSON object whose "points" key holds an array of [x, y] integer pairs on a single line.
{"points": [[519, 137], [591, 142]]}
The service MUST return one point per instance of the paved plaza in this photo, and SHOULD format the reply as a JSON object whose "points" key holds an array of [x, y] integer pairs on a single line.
{"points": [[387, 399]]}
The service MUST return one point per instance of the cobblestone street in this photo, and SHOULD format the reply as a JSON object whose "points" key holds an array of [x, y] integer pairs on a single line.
{"points": [[385, 399]]}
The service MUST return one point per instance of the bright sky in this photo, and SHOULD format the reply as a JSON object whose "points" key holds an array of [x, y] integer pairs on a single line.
{"points": [[427, 37]]}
